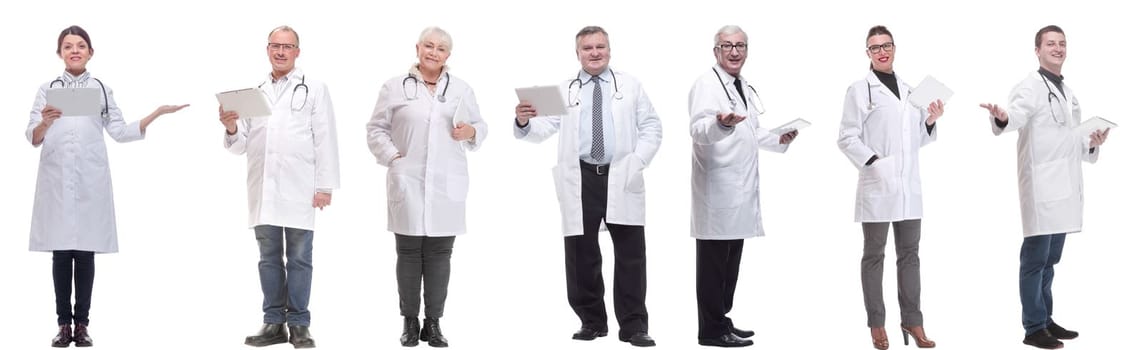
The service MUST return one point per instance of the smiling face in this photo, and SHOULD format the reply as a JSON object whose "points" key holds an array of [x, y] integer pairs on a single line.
{"points": [[283, 50], [432, 54], [594, 51], [881, 52], [75, 52], [1052, 51], [731, 52]]}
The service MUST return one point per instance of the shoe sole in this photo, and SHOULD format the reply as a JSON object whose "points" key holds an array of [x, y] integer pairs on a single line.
{"points": [[1060, 346], [268, 343], [597, 335], [723, 345], [642, 345]]}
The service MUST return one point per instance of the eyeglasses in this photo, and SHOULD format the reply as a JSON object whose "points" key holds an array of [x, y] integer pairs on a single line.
{"points": [[888, 47], [277, 46], [726, 47]]}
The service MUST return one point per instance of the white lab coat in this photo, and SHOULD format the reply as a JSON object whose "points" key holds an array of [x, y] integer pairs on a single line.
{"points": [[724, 162], [888, 190], [74, 208], [1048, 156], [428, 185], [289, 155], [638, 133]]}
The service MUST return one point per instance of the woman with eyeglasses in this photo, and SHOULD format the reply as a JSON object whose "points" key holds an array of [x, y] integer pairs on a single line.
{"points": [[881, 133], [424, 123], [73, 215]]}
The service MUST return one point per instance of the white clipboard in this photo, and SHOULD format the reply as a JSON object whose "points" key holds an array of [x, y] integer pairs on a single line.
{"points": [[460, 115], [249, 103], [546, 99], [76, 102], [796, 124], [928, 91], [1092, 124]]}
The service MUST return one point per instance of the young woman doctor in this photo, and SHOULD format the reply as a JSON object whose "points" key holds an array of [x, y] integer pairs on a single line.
{"points": [[73, 214]]}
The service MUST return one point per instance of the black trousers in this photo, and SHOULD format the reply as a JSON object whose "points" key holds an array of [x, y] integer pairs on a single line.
{"points": [[717, 276], [64, 262], [583, 265], [423, 259]]}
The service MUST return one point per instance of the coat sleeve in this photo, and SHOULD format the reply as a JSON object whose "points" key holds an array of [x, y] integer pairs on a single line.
{"points": [[237, 143], [377, 130], [116, 127], [538, 129], [704, 109], [327, 172], [1022, 107], [476, 121], [849, 138], [648, 126], [35, 117], [926, 136]]}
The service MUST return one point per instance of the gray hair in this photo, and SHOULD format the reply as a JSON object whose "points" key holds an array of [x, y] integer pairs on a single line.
{"points": [[729, 30], [285, 28], [589, 30], [446, 39]]}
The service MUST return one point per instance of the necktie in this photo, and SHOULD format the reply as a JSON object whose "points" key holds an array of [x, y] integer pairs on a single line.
{"points": [[738, 86], [596, 121]]}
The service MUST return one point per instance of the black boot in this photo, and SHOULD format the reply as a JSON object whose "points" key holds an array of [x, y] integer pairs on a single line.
{"points": [[63, 338], [270, 334], [412, 330], [300, 337], [431, 333], [81, 339]]}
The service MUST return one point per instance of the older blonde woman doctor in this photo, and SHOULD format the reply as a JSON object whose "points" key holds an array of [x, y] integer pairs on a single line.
{"points": [[423, 124]]}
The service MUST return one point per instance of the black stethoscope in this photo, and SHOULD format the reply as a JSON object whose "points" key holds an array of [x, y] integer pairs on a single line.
{"points": [[405, 89], [733, 102], [1051, 95], [614, 84], [104, 113], [293, 95]]}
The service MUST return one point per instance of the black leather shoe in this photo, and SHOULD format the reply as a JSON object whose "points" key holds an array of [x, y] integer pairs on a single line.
{"points": [[741, 333], [639, 339], [729, 340], [585, 333], [63, 338], [1060, 332], [80, 337], [412, 331], [300, 337], [431, 333], [270, 334], [1042, 339]]}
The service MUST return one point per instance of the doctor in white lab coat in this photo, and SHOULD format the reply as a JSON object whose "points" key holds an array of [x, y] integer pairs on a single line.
{"points": [[881, 133], [292, 168], [725, 208], [422, 126], [73, 214], [1044, 111], [607, 139]]}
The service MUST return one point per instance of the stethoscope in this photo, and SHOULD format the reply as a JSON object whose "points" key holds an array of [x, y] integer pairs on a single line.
{"points": [[579, 82], [733, 102], [413, 96], [293, 95], [104, 113], [869, 94], [1051, 95]]}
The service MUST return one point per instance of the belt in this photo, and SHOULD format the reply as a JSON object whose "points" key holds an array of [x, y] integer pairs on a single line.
{"points": [[598, 169]]}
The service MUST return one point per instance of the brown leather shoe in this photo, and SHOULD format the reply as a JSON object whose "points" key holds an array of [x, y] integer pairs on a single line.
{"points": [[918, 334], [880, 339], [80, 337], [63, 338]]}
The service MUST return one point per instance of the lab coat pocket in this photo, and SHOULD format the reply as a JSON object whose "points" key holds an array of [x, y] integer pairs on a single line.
{"points": [[1052, 180], [396, 182], [634, 183], [725, 188], [456, 184], [880, 178]]}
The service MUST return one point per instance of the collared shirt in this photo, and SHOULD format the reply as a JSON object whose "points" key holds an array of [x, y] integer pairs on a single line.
{"points": [[75, 81], [280, 84], [587, 103]]}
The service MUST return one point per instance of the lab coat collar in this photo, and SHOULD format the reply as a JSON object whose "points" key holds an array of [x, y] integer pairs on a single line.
{"points": [[727, 79], [606, 76], [875, 83], [67, 78], [295, 74], [415, 71]]}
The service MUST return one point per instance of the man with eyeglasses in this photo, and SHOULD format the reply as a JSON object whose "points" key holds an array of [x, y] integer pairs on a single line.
{"points": [[1045, 112], [292, 168], [606, 141], [725, 209]]}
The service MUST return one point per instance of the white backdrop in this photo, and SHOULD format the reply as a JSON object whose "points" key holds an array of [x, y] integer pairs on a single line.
{"points": [[186, 276]]}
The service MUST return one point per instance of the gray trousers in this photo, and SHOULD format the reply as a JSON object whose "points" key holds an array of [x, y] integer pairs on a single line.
{"points": [[424, 258], [906, 236]]}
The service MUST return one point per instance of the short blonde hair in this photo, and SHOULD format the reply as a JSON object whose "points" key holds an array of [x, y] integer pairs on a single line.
{"points": [[446, 39]]}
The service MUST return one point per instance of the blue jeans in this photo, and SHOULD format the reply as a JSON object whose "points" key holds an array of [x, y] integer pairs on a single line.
{"points": [[285, 287], [1038, 256]]}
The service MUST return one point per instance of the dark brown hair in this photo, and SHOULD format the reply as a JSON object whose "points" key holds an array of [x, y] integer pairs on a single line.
{"points": [[74, 30], [1048, 29]]}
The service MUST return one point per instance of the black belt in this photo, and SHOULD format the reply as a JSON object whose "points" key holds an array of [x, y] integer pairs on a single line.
{"points": [[597, 169]]}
